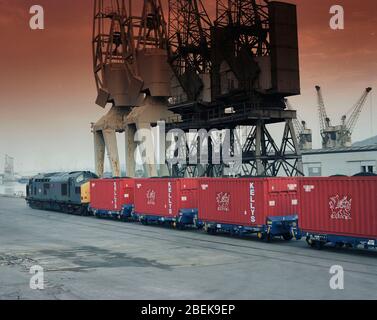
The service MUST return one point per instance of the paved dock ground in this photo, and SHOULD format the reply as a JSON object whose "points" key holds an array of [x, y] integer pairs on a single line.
{"points": [[87, 258]]}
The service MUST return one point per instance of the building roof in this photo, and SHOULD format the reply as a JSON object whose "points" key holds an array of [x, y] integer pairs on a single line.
{"points": [[354, 148], [367, 142]]}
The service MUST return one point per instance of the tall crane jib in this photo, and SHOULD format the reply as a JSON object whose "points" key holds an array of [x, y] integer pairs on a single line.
{"points": [[190, 43], [328, 132], [349, 124], [130, 61]]}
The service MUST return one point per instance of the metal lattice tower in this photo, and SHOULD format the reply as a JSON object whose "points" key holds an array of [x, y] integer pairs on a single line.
{"points": [[249, 19], [225, 75], [250, 45], [189, 45], [152, 27], [324, 120], [113, 43], [130, 60], [348, 124], [356, 111], [189, 36]]}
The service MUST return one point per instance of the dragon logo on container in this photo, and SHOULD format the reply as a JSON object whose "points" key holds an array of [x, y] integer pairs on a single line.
{"points": [[151, 197], [223, 201], [252, 202], [340, 208]]}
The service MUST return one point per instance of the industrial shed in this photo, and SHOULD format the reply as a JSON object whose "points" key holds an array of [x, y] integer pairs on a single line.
{"points": [[345, 161]]}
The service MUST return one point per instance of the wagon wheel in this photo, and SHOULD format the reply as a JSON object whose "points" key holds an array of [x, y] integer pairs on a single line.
{"points": [[287, 236], [339, 244], [317, 244], [180, 226], [210, 230]]}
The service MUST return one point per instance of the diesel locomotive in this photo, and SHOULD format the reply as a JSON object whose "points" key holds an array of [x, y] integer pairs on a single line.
{"points": [[67, 192]]}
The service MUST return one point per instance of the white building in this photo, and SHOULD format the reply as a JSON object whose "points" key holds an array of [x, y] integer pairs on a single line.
{"points": [[362, 157]]}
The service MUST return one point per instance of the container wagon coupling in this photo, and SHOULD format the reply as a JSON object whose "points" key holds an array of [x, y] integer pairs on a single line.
{"points": [[267, 207], [339, 211]]}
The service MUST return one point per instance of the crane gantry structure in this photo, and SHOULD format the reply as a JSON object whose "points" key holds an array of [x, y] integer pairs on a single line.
{"points": [[253, 67], [339, 136], [197, 74], [132, 75], [189, 39]]}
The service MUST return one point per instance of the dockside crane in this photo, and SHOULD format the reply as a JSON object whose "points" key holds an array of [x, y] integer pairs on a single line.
{"points": [[349, 124], [130, 63], [328, 140], [193, 73], [303, 134], [339, 136]]}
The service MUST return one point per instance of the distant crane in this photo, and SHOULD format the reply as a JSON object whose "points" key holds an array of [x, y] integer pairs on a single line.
{"points": [[328, 140], [339, 136], [349, 124], [9, 169], [304, 135]]}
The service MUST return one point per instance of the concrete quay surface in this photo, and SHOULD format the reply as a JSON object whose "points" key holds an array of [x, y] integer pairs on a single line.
{"points": [[88, 258]]}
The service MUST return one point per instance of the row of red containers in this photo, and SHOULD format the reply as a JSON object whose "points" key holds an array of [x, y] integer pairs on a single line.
{"points": [[339, 205]]}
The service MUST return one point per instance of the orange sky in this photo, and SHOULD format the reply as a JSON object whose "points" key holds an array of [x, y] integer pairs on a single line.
{"points": [[47, 89]]}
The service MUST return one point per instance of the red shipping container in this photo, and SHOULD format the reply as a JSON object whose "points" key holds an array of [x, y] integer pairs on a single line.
{"points": [[111, 194], [345, 206], [165, 197], [247, 201]]}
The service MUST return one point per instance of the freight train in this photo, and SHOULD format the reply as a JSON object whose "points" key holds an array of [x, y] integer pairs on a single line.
{"points": [[338, 210]]}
